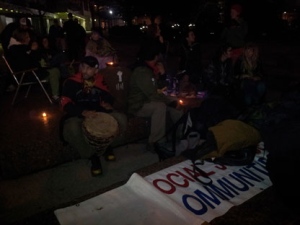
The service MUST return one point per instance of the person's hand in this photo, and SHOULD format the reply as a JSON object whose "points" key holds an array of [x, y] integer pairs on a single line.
{"points": [[106, 105], [161, 39], [161, 91], [244, 76], [89, 114], [256, 78]]}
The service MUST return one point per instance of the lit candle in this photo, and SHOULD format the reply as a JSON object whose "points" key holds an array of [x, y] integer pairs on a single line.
{"points": [[110, 63], [44, 114], [180, 101]]}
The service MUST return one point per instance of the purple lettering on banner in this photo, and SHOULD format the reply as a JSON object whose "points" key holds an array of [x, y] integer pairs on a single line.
{"points": [[244, 177], [200, 211], [248, 171], [212, 195], [229, 184], [262, 168], [243, 186]]}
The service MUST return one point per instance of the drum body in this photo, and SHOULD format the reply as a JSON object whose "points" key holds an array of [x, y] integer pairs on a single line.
{"points": [[100, 130]]}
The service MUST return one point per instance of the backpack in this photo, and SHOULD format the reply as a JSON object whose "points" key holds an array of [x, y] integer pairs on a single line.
{"points": [[192, 128], [230, 142]]}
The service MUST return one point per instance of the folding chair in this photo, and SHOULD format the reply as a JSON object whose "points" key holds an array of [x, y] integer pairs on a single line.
{"points": [[19, 78]]}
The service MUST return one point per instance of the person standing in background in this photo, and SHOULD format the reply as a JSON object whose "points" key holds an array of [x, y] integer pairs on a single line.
{"points": [[56, 36], [80, 39], [73, 34], [190, 57], [153, 37], [236, 31]]}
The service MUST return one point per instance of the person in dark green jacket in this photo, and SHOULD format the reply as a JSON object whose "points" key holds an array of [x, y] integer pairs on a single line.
{"points": [[146, 100]]}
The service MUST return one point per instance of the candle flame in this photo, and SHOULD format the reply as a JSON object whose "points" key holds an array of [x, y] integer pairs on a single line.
{"points": [[44, 114]]}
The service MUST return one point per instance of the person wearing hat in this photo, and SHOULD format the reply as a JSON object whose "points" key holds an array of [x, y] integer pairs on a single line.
{"points": [[235, 33], [146, 100], [100, 48], [83, 94]]}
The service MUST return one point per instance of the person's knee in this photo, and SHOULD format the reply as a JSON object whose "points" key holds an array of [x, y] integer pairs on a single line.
{"points": [[71, 130], [160, 106], [261, 88], [122, 120]]}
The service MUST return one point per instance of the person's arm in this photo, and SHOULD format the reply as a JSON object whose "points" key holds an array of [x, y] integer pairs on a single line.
{"points": [[20, 59], [67, 99], [209, 75], [107, 49], [243, 28], [237, 70], [258, 73], [147, 84], [91, 47]]}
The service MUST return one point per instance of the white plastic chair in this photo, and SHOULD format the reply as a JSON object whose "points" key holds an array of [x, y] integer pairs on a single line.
{"points": [[19, 78]]}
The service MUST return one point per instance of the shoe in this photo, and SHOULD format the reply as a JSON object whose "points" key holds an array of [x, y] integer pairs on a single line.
{"points": [[96, 168], [109, 155], [164, 151]]}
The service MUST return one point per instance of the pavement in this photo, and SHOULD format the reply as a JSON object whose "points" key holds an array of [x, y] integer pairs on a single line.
{"points": [[38, 173], [38, 192]]}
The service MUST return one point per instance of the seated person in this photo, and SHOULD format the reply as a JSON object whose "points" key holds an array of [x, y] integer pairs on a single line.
{"points": [[218, 75], [186, 88], [54, 58], [249, 73], [144, 99], [83, 94], [100, 48], [22, 56]]}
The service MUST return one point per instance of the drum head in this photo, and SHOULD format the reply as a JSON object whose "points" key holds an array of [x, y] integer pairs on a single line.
{"points": [[101, 129]]}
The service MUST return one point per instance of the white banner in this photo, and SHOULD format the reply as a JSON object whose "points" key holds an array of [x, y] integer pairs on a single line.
{"points": [[136, 202], [171, 196], [232, 185]]}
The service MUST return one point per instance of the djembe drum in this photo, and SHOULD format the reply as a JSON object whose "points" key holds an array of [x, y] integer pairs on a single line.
{"points": [[100, 131]]}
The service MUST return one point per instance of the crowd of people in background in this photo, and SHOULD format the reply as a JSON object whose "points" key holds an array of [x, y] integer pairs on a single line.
{"points": [[69, 42], [235, 72]]}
